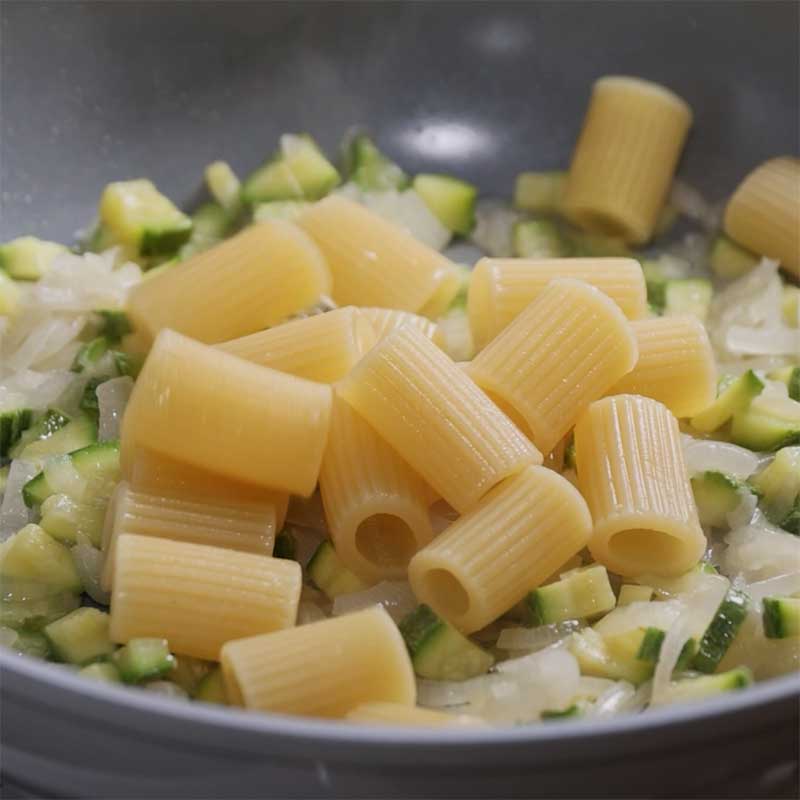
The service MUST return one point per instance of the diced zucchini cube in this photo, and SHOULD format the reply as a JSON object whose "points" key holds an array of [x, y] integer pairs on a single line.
{"points": [[438, 651], [330, 575], [28, 258], [32, 555], [781, 617], [138, 215], [735, 397], [370, 169], [81, 637], [451, 200], [144, 659]]}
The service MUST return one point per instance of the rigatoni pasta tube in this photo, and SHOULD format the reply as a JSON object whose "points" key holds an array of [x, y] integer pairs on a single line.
{"points": [[501, 288], [515, 538], [248, 527], [200, 405], [376, 263], [676, 365], [632, 474], [324, 669], [154, 473], [249, 282], [409, 716], [764, 213], [323, 347], [199, 597], [376, 506], [568, 348], [625, 158], [386, 320], [436, 418]]}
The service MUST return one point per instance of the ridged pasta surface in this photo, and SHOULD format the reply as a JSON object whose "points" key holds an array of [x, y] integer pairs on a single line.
{"points": [[199, 597], [632, 473], [254, 279], [436, 418]]}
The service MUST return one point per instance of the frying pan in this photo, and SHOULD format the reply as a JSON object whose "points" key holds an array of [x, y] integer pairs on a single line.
{"points": [[93, 92]]}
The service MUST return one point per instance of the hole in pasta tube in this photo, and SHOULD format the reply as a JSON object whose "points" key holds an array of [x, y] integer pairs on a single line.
{"points": [[645, 550], [385, 540], [445, 593]]}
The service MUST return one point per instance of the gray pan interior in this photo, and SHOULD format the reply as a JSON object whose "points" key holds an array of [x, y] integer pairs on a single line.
{"points": [[92, 92]]}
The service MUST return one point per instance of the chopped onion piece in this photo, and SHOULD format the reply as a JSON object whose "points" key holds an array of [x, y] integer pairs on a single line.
{"points": [[639, 614], [691, 203], [777, 340], [395, 596], [743, 513], [112, 397], [590, 688], [534, 639], [441, 694], [89, 564], [776, 405], [706, 454], [46, 340], [753, 301], [14, 514], [53, 386], [406, 209], [782, 586], [494, 224], [613, 701], [671, 648], [167, 689], [518, 691], [760, 551]]}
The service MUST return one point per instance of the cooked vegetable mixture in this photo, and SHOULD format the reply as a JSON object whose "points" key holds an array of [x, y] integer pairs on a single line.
{"points": [[352, 443]]}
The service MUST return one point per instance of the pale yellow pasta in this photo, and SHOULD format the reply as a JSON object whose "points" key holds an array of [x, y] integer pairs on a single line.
{"points": [[249, 527], [436, 418], [199, 597], [568, 348], [625, 158], [513, 540], [386, 320], [409, 716], [376, 263], [154, 473], [324, 669], [202, 406], [764, 213], [249, 282], [676, 365], [631, 472], [376, 506], [501, 288], [323, 347]]}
